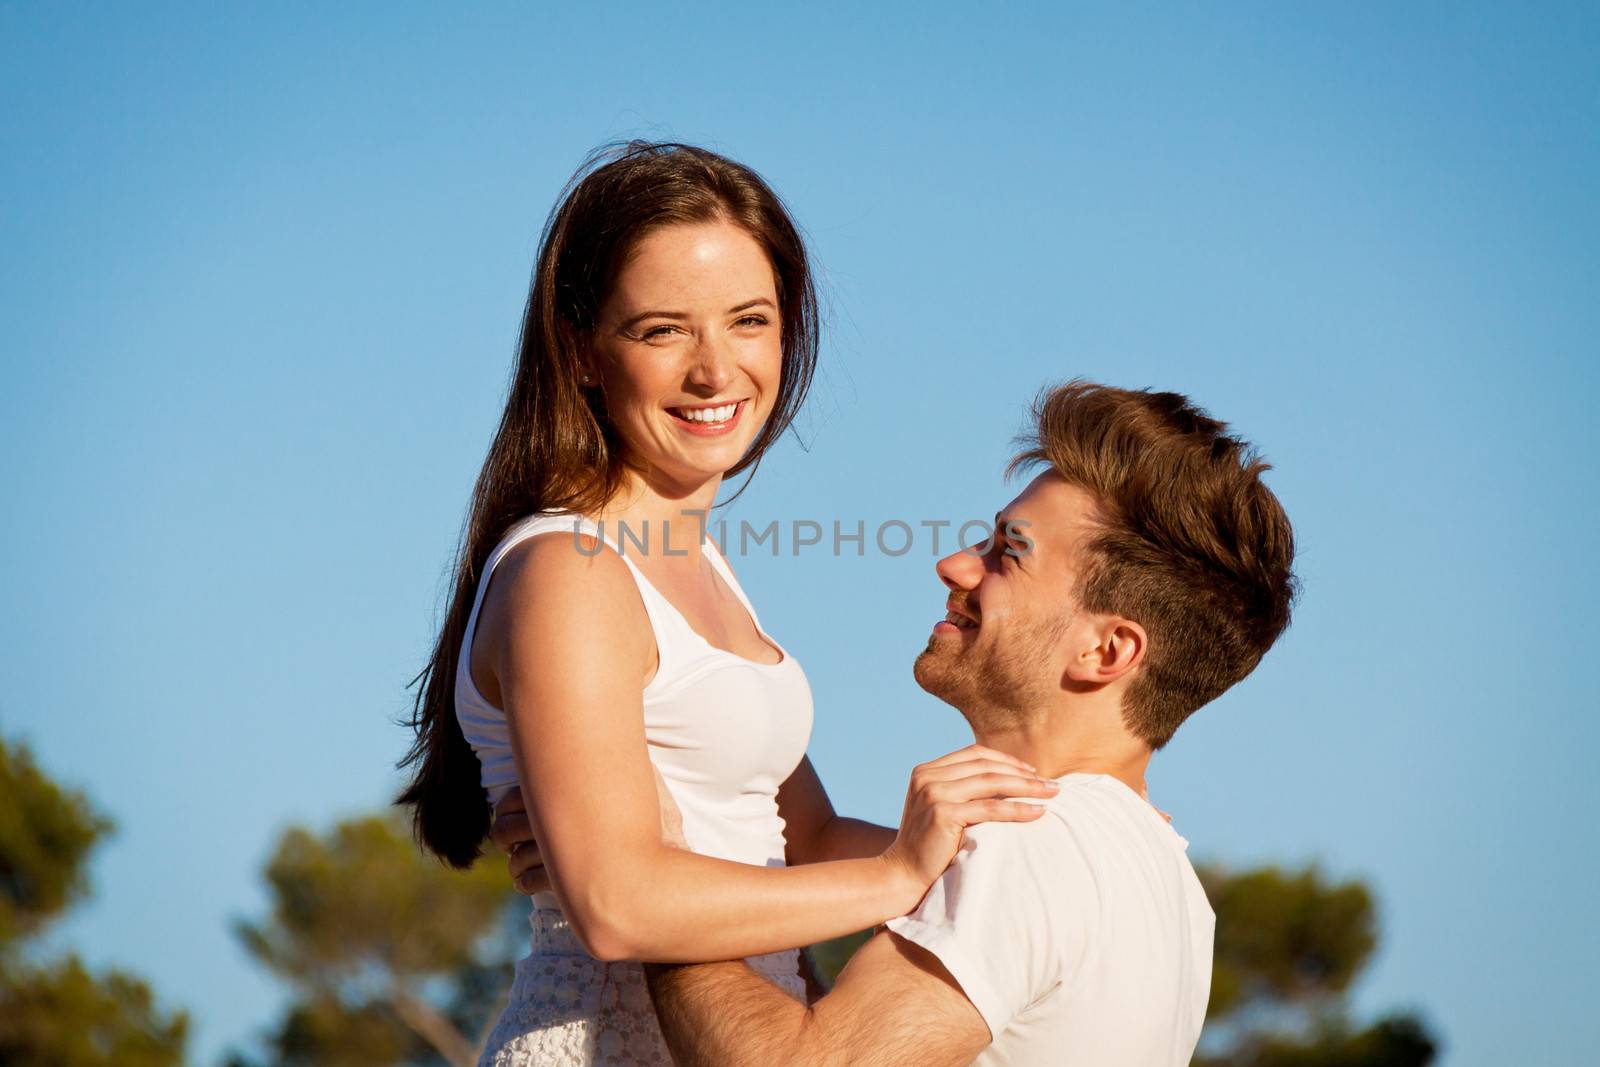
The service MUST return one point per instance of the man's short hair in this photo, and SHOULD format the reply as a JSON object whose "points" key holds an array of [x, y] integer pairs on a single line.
{"points": [[1193, 546]]}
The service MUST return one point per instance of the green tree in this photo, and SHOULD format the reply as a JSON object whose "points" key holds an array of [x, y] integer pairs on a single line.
{"points": [[57, 1013], [1289, 946], [394, 959]]}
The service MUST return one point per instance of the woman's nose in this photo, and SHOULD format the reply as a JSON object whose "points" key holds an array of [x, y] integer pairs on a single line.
{"points": [[715, 366]]}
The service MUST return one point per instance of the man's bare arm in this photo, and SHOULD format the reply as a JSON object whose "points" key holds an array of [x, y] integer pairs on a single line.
{"points": [[894, 1004]]}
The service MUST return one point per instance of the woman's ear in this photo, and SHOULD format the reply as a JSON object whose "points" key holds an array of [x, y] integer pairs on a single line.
{"points": [[591, 361], [588, 370]]}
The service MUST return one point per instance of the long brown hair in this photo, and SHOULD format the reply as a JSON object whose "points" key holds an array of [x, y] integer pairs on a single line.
{"points": [[555, 448]]}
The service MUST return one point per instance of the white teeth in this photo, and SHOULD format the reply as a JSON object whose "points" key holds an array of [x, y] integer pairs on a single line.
{"points": [[722, 414]]}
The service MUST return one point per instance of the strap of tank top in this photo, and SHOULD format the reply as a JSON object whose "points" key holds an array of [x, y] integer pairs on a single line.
{"points": [[665, 621], [721, 564]]}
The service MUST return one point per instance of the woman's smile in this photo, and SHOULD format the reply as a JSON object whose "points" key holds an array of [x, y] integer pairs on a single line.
{"points": [[709, 420]]}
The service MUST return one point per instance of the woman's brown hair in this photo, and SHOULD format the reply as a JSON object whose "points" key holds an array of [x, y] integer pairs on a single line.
{"points": [[555, 448]]}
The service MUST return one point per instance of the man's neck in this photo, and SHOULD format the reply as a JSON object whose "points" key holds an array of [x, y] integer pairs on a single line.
{"points": [[1057, 744]]}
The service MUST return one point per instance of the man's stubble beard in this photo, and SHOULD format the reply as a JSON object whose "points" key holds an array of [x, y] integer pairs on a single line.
{"points": [[1001, 688]]}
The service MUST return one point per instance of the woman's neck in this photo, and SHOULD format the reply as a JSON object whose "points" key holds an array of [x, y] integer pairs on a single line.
{"points": [[666, 519]]}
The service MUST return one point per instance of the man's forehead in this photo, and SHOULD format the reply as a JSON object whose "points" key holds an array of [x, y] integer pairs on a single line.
{"points": [[1057, 513]]}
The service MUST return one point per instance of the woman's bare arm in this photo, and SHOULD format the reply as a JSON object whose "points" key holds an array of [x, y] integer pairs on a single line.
{"points": [[814, 833], [570, 646]]}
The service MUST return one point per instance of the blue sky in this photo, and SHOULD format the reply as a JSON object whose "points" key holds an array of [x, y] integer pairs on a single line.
{"points": [[260, 278]]}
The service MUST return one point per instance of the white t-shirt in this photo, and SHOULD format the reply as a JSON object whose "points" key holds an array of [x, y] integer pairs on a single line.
{"points": [[1083, 937]]}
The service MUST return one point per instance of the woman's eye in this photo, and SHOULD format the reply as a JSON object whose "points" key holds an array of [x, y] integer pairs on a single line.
{"points": [[752, 320], [657, 331]]}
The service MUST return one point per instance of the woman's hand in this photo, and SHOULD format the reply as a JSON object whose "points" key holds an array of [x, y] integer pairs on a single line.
{"points": [[512, 833], [952, 793]]}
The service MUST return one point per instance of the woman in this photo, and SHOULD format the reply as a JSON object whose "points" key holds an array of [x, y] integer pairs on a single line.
{"points": [[596, 636]]}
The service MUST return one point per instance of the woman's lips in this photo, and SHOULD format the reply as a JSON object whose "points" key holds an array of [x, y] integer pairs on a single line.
{"points": [[708, 423]]}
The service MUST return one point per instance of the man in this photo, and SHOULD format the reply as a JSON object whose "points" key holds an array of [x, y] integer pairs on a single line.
{"points": [[1143, 572]]}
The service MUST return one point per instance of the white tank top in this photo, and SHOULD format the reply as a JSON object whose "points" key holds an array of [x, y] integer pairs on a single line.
{"points": [[724, 731]]}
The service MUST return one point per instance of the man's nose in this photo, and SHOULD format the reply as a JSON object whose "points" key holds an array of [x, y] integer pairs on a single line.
{"points": [[960, 570]]}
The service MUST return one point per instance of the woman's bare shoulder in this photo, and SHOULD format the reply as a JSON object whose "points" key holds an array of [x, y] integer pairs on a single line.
{"points": [[562, 587]]}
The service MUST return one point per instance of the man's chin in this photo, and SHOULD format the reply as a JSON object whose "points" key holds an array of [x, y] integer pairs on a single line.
{"points": [[933, 672]]}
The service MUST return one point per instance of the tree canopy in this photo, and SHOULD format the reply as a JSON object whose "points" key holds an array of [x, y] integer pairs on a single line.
{"points": [[1289, 946], [58, 1013], [394, 958]]}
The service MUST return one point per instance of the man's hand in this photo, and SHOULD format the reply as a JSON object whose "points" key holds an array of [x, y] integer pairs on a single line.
{"points": [[512, 833]]}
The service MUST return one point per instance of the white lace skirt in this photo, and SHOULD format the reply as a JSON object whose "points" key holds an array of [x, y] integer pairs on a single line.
{"points": [[568, 1009]]}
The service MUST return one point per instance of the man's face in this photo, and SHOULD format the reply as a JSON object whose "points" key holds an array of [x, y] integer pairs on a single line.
{"points": [[1000, 653]]}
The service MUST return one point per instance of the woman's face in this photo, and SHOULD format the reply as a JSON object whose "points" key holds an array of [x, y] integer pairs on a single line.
{"points": [[689, 348]]}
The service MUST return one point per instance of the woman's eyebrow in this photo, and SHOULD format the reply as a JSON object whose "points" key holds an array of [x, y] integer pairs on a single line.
{"points": [[631, 321]]}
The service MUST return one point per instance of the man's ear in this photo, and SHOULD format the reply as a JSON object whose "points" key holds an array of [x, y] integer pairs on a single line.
{"points": [[1118, 646]]}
